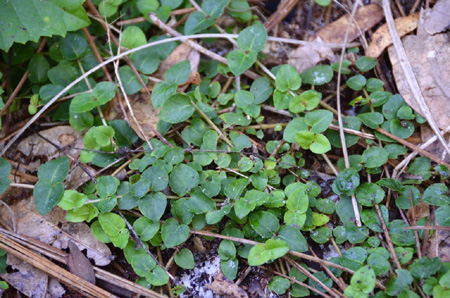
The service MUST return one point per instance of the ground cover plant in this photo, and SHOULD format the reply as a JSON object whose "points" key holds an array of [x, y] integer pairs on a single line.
{"points": [[269, 165]]}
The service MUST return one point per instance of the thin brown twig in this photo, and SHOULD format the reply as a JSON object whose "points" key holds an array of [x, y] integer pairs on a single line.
{"points": [[311, 277], [413, 147], [441, 228], [388, 238], [342, 286]]}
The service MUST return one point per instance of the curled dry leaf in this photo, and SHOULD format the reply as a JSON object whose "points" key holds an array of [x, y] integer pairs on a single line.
{"points": [[381, 39], [305, 57], [79, 265]]}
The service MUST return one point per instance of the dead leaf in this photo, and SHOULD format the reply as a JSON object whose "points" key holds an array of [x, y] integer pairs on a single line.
{"points": [[381, 39], [429, 56], [77, 176], [420, 210], [366, 17], [223, 286], [434, 148], [46, 229], [62, 136], [30, 281], [79, 265], [305, 57], [438, 19], [181, 53], [439, 246]]}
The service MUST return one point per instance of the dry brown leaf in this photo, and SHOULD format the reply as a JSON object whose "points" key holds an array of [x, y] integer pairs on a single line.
{"points": [[435, 148], [181, 53], [223, 286], [79, 265], [438, 19], [439, 246], [62, 136], [420, 210], [429, 56], [366, 17], [305, 57], [381, 39], [45, 229], [30, 281]]}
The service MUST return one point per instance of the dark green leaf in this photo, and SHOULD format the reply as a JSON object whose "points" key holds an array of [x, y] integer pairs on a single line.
{"points": [[173, 233], [178, 73], [185, 259], [317, 75], [239, 61], [176, 109], [182, 179], [55, 170], [153, 206]]}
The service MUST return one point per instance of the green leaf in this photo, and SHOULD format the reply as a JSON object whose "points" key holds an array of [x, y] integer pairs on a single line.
{"points": [[174, 234], [123, 133], [287, 78], [24, 21], [153, 206], [356, 82], [374, 84], [292, 236], [261, 89], [364, 279], [107, 186], [172, 3], [130, 81], [298, 201], [317, 75], [235, 188], [442, 216], [74, 46], [436, 195], [37, 69], [296, 125], [239, 61], [346, 182], [369, 194], [229, 268], [281, 100], [55, 170], [425, 267], [176, 109], [227, 250], [47, 194], [243, 98], [146, 228], [400, 236], [142, 264], [319, 120], [158, 277], [197, 22], [374, 157], [398, 284], [401, 128], [241, 10], [366, 63], [133, 37], [98, 232], [371, 120], [71, 199], [304, 138], [111, 223], [161, 92], [391, 107], [178, 73], [200, 203], [395, 150], [182, 179], [185, 259], [104, 92], [323, 3], [321, 235], [279, 285], [351, 122], [263, 253], [214, 8], [264, 223], [378, 263], [5, 169], [253, 38], [145, 61], [82, 103]]}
